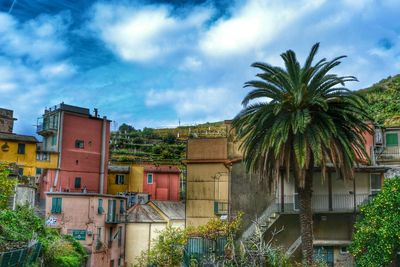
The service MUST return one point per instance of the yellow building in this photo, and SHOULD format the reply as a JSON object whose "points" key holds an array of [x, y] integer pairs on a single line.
{"points": [[208, 164], [21, 150], [124, 178]]}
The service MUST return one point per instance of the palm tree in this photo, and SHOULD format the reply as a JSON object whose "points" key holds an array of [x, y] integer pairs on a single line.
{"points": [[298, 118]]}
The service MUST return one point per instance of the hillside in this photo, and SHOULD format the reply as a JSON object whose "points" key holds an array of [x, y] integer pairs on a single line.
{"points": [[384, 101], [159, 146]]}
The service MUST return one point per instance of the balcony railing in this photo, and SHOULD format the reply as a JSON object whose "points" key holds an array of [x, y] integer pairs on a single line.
{"points": [[46, 129], [115, 218], [387, 153], [321, 202]]}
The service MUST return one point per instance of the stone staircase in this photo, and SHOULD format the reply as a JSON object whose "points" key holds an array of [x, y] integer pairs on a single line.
{"points": [[269, 216], [294, 246]]}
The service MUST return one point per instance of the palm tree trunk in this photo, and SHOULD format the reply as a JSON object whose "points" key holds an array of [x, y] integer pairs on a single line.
{"points": [[306, 220]]}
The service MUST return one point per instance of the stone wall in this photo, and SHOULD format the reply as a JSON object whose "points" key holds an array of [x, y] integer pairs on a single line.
{"points": [[6, 121]]}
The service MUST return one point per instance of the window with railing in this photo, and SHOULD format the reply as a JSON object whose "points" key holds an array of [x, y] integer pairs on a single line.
{"points": [[111, 214]]}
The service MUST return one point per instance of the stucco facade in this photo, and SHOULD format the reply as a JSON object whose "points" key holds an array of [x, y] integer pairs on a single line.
{"points": [[81, 142], [94, 221]]}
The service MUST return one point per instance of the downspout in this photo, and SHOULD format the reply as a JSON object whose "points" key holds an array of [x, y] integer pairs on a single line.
{"points": [[59, 149], [103, 155]]}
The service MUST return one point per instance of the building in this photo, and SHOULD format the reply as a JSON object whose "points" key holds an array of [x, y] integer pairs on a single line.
{"points": [[96, 220], [144, 221], [6, 120], [162, 182], [80, 142], [218, 185], [21, 150]]}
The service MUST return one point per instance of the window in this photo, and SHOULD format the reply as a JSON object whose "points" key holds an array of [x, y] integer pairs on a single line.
{"points": [[121, 207], [111, 216], [78, 182], [119, 237], [42, 156], [100, 209], [325, 254], [20, 171], [79, 144], [39, 171], [53, 140], [112, 263], [392, 139], [21, 148], [110, 237], [149, 178], [375, 183], [220, 208], [119, 179], [56, 203]]}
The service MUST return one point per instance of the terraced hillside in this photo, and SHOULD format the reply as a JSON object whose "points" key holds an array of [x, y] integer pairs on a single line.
{"points": [[160, 146], [384, 101]]}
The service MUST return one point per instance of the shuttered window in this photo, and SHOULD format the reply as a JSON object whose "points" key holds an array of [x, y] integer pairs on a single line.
{"points": [[56, 205], [392, 139], [78, 182]]}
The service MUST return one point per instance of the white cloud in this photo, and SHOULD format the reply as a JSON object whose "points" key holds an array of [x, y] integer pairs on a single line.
{"points": [[201, 102], [253, 25], [146, 32]]}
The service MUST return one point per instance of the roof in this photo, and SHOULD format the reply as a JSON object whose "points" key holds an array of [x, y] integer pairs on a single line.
{"points": [[118, 168], [143, 213], [174, 210], [18, 137], [162, 168], [72, 194]]}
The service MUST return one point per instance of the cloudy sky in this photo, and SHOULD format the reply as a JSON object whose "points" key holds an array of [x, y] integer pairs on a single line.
{"points": [[154, 63]]}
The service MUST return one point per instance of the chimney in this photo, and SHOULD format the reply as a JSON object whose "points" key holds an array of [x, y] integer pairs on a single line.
{"points": [[96, 112]]}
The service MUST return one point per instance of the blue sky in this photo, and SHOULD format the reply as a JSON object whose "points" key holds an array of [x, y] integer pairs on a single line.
{"points": [[153, 63]]}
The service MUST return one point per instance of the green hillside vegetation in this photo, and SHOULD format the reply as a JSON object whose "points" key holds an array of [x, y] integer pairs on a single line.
{"points": [[159, 146], [384, 101]]}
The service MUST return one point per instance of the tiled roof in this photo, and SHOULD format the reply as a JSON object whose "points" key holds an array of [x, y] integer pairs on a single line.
{"points": [[174, 210], [143, 213], [18, 137]]}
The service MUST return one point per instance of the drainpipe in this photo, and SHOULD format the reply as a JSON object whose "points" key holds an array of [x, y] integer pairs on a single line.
{"points": [[59, 149], [103, 154]]}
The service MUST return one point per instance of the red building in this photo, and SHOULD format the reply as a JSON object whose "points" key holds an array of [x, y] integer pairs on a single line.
{"points": [[80, 140], [161, 182]]}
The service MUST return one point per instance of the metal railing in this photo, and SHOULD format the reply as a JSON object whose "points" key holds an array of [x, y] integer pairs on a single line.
{"points": [[388, 153], [20, 257], [199, 250], [321, 202]]}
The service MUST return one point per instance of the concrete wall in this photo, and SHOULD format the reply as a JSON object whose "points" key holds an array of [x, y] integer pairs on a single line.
{"points": [[136, 178], [139, 237], [207, 148], [249, 194], [206, 183], [165, 186], [25, 195]]}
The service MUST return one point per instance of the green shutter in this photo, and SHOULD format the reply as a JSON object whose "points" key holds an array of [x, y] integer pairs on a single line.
{"points": [[100, 207], [56, 205], [392, 139]]}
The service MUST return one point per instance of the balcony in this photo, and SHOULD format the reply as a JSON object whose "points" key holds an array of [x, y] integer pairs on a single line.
{"points": [[340, 203], [387, 154], [115, 218], [46, 129]]}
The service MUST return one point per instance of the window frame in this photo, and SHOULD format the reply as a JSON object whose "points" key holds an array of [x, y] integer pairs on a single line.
{"points": [[79, 144], [120, 179], [394, 136], [78, 178], [21, 149], [56, 205], [152, 178]]}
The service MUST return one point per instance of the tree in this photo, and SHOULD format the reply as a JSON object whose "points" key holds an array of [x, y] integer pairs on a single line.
{"points": [[377, 230], [126, 128], [310, 119], [7, 185]]}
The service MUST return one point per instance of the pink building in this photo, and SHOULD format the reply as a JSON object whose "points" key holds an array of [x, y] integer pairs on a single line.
{"points": [[161, 182], [96, 220], [80, 140]]}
